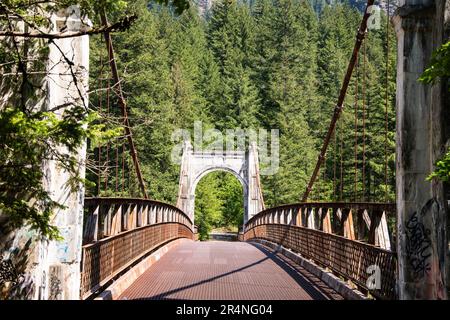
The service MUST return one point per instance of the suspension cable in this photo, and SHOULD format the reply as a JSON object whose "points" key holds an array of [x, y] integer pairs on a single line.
{"points": [[386, 107], [99, 147], [118, 90], [123, 167], [334, 165], [117, 165], [355, 190], [324, 175], [108, 88], [364, 101], [341, 180], [339, 105]]}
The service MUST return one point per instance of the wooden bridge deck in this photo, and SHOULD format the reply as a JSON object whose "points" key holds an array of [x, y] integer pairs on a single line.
{"points": [[218, 270]]}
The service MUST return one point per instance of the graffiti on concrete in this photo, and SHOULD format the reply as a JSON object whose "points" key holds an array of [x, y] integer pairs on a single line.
{"points": [[418, 244], [16, 281], [55, 283], [8, 273]]}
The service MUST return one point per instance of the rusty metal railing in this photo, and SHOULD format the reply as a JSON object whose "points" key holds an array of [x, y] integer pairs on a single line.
{"points": [[325, 233], [118, 232]]}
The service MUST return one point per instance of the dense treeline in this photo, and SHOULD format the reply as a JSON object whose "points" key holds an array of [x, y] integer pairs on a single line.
{"points": [[274, 64]]}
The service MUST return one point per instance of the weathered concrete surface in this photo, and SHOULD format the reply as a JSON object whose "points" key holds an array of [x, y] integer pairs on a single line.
{"points": [[421, 207], [243, 165], [51, 269], [63, 258], [446, 115]]}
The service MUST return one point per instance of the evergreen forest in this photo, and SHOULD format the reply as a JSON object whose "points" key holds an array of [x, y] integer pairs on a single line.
{"points": [[271, 64]]}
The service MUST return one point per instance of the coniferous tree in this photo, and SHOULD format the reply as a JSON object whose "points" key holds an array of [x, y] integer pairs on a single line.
{"points": [[231, 37], [290, 57], [266, 64]]}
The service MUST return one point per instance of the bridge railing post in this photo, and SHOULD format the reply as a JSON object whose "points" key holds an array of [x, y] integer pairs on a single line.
{"points": [[153, 214], [145, 214], [347, 217], [326, 221], [319, 221], [157, 214], [108, 224]]}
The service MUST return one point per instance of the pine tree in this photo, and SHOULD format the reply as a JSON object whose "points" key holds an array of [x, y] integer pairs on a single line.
{"points": [[338, 25], [207, 204], [231, 38], [336, 44], [187, 46], [270, 64], [289, 92]]}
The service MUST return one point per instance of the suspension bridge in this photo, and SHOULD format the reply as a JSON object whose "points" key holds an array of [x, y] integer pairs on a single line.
{"points": [[139, 248]]}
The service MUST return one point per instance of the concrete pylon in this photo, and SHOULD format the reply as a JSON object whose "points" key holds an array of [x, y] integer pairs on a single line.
{"points": [[422, 245], [52, 268], [243, 165]]}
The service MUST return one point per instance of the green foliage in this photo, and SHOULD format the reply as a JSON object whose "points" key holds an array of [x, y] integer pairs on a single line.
{"points": [[207, 206], [439, 68], [218, 204], [287, 47], [31, 136], [231, 37], [32, 11], [336, 43], [179, 5], [232, 197], [274, 65], [27, 141], [442, 171], [439, 65]]}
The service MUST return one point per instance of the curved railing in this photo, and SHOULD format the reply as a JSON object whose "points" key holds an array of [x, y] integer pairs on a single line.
{"points": [[325, 233], [118, 232]]}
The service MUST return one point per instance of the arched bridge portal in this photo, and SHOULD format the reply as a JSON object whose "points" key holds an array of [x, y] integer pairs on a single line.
{"points": [[242, 164]]}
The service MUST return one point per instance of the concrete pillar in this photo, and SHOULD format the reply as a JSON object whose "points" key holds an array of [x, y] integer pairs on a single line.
{"points": [[421, 209], [243, 164], [51, 269], [63, 258], [254, 197]]}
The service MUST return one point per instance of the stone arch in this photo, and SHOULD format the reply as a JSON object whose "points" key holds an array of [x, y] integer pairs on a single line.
{"points": [[242, 164], [216, 168]]}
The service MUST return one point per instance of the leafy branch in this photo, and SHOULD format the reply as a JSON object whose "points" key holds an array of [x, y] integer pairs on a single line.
{"points": [[27, 141], [439, 68], [439, 65], [121, 25], [31, 136], [442, 171]]}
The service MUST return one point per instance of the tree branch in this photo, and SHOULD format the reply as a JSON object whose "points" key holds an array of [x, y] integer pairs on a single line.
{"points": [[121, 25]]}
